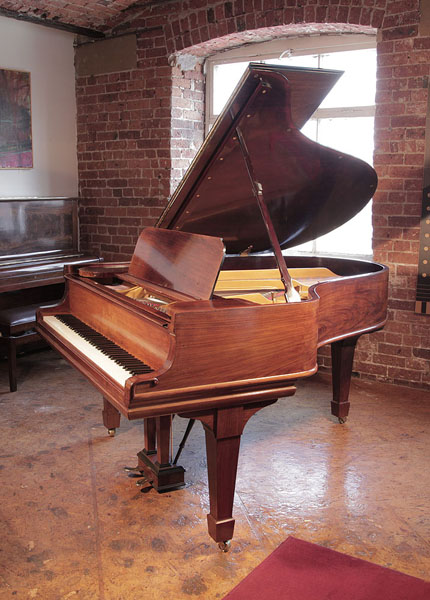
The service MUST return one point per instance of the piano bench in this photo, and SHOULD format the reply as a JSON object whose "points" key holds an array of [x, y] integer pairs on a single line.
{"points": [[17, 330]]}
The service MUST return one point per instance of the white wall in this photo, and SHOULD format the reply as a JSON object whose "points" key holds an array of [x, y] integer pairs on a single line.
{"points": [[48, 55]]}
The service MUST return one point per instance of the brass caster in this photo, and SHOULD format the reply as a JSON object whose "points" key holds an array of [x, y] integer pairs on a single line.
{"points": [[342, 420], [224, 546], [111, 432]]}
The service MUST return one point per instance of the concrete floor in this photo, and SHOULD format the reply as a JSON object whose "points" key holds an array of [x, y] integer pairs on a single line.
{"points": [[73, 526]]}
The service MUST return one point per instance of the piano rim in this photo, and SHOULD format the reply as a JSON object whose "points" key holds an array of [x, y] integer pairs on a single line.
{"points": [[134, 404]]}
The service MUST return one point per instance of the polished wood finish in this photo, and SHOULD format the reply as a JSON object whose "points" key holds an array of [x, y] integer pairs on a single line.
{"points": [[178, 261], [39, 238], [257, 190], [150, 428], [39, 225], [223, 430], [215, 357], [104, 271], [342, 357], [154, 461], [111, 416]]}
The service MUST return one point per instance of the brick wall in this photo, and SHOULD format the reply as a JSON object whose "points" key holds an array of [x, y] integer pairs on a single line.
{"points": [[138, 130], [401, 351], [124, 129]]}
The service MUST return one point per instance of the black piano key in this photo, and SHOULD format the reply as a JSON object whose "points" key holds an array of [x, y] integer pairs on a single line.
{"points": [[120, 356]]}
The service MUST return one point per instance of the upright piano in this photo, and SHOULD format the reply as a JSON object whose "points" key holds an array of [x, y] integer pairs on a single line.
{"points": [[38, 237], [210, 320]]}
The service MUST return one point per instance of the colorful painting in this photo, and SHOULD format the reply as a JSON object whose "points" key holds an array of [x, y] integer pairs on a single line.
{"points": [[16, 149]]}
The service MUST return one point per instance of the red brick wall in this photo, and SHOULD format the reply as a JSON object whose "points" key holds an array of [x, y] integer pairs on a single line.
{"points": [[138, 130], [401, 351], [124, 129], [187, 125]]}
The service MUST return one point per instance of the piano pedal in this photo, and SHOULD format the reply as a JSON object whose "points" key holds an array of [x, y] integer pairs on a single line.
{"points": [[133, 471], [146, 488], [142, 481]]}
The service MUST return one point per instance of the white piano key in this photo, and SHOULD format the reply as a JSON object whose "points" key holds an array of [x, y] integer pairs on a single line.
{"points": [[106, 364]]}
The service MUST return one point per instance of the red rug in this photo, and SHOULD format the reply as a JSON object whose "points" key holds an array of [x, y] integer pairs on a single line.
{"points": [[299, 570]]}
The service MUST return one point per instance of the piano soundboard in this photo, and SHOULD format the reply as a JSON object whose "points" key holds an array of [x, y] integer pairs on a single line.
{"points": [[264, 286]]}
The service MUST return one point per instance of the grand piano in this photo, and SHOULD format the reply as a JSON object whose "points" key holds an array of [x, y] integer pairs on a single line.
{"points": [[210, 320]]}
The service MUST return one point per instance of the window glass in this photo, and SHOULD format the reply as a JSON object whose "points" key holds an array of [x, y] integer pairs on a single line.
{"points": [[353, 136], [350, 135], [357, 86], [225, 79]]}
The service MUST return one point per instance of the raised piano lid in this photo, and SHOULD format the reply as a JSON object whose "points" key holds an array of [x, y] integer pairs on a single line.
{"points": [[309, 189]]}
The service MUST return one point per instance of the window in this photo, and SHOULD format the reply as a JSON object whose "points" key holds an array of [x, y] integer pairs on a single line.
{"points": [[344, 120]]}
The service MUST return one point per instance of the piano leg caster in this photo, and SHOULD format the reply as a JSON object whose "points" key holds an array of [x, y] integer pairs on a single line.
{"points": [[342, 420], [111, 417], [224, 546]]}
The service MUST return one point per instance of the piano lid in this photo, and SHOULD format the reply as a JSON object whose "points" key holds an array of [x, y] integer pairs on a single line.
{"points": [[309, 189]]}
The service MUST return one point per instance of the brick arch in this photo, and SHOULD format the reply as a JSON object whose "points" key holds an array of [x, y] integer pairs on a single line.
{"points": [[265, 34], [235, 18]]}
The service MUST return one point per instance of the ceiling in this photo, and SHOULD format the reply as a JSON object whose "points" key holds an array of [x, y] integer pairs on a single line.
{"points": [[85, 17]]}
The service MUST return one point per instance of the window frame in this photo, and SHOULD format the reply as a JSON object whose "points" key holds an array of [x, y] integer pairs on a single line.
{"points": [[301, 46]]}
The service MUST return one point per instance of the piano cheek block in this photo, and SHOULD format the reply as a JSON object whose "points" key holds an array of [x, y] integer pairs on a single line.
{"points": [[139, 386]]}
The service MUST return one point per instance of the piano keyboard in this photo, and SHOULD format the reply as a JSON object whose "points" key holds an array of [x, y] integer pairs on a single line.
{"points": [[108, 356]]}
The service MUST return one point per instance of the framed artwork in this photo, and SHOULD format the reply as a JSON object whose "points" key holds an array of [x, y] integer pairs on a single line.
{"points": [[16, 148]]}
